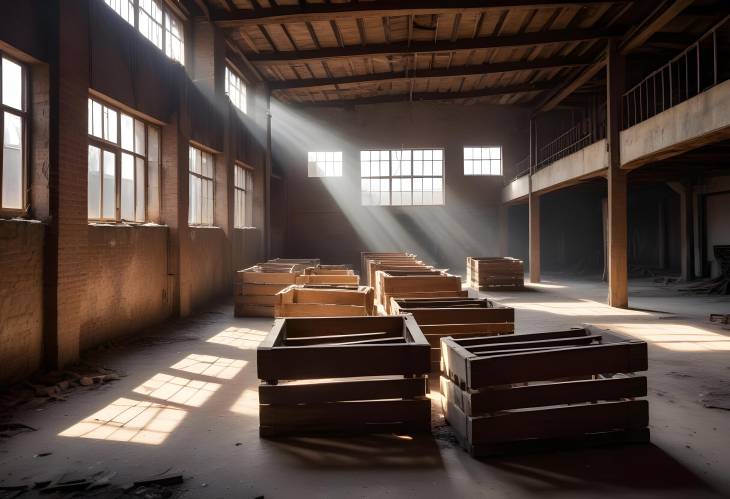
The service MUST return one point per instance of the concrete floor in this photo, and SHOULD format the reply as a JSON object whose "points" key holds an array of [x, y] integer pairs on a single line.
{"points": [[189, 405]]}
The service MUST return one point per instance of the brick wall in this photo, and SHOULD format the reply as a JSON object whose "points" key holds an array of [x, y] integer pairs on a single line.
{"points": [[21, 298], [127, 286]]}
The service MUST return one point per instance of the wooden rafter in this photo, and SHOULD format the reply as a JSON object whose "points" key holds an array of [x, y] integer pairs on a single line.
{"points": [[327, 11], [481, 69], [424, 96], [385, 49]]}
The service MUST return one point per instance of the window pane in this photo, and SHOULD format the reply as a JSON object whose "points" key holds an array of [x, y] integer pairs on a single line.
{"points": [[153, 174], [110, 124], [109, 186], [12, 84], [13, 162], [96, 111], [127, 132], [139, 145], [94, 181], [139, 191], [127, 188]]}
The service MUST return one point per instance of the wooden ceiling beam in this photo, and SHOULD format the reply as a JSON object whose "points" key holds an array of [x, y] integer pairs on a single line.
{"points": [[429, 47], [431, 96], [385, 8], [480, 69], [653, 24]]}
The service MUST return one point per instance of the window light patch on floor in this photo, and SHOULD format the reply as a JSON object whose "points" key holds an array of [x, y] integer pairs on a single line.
{"points": [[242, 338], [247, 404], [210, 365], [677, 337], [177, 390], [128, 420]]}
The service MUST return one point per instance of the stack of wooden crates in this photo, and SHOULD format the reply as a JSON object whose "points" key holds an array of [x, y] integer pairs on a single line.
{"points": [[494, 273], [344, 374], [545, 390]]}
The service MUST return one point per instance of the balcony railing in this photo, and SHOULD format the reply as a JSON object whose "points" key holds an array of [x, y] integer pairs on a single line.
{"points": [[701, 66]]}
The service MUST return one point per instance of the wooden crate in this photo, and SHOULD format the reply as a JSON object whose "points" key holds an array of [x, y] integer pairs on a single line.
{"points": [[394, 258], [455, 317], [256, 288], [544, 390], [330, 274], [405, 285], [494, 272], [343, 374], [324, 301]]}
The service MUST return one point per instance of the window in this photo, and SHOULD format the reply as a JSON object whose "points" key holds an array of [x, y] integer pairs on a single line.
{"points": [[482, 161], [243, 216], [324, 164], [401, 178], [124, 8], [124, 166], [156, 23], [236, 90], [174, 46], [13, 126], [200, 211], [150, 22]]}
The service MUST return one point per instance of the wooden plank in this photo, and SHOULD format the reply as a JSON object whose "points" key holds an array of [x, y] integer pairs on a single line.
{"points": [[339, 391], [508, 344], [557, 422], [558, 363], [332, 361], [248, 300], [569, 333], [342, 325], [339, 338], [328, 279], [261, 289], [379, 411], [463, 331], [549, 394], [463, 315]]}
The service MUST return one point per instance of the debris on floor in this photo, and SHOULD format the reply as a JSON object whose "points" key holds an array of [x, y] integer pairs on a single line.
{"points": [[716, 400], [98, 484], [49, 386]]}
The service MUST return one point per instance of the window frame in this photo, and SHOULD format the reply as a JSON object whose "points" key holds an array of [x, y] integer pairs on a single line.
{"points": [[411, 177], [119, 150], [247, 190], [23, 114], [232, 72], [203, 150], [167, 11], [501, 161]]}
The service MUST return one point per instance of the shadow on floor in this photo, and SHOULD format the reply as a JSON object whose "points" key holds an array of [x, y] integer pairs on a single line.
{"points": [[371, 452], [637, 467]]}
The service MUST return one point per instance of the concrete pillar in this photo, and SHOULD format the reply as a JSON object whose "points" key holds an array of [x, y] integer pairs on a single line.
{"points": [[67, 231], [534, 222], [618, 294], [686, 226]]}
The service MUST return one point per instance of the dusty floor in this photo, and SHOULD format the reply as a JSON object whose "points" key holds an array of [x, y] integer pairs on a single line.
{"points": [[190, 406]]}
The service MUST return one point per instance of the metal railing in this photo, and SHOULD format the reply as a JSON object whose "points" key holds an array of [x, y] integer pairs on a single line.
{"points": [[701, 66], [583, 134], [521, 168]]}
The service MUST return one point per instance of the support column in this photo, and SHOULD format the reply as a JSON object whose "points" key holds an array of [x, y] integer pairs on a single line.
{"points": [[686, 227], [267, 180], [67, 231], [534, 209], [533, 201], [618, 293]]}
